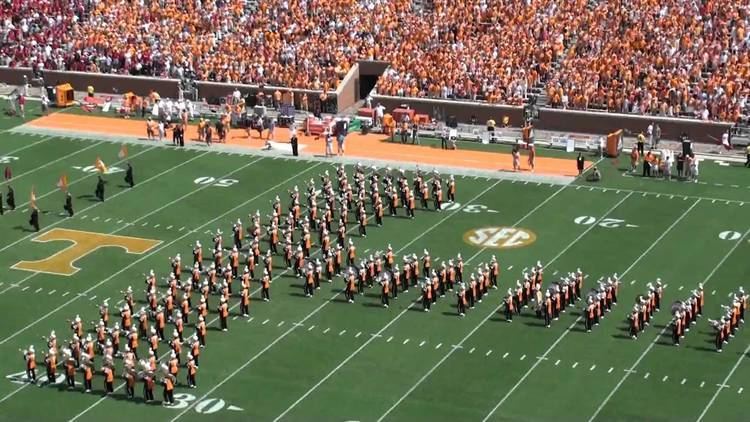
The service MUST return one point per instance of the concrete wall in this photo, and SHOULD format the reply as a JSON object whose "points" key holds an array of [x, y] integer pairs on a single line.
{"points": [[347, 92], [102, 83]]}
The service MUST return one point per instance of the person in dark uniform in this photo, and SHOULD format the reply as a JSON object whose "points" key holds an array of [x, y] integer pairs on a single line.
{"points": [[175, 134], [579, 163], [10, 199], [295, 145], [100, 189], [68, 207], [181, 135], [34, 219], [2, 205], [129, 176]]}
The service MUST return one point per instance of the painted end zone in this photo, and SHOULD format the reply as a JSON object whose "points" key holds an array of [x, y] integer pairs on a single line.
{"points": [[83, 243]]}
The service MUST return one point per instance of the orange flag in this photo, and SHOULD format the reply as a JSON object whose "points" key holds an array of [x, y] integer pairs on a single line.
{"points": [[33, 198], [99, 164], [62, 183], [123, 152]]}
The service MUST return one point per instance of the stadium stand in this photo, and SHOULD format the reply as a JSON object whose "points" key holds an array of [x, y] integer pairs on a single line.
{"points": [[667, 58]]}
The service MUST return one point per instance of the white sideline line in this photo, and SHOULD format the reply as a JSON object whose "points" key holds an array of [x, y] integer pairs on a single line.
{"points": [[157, 250], [651, 345], [565, 333]]}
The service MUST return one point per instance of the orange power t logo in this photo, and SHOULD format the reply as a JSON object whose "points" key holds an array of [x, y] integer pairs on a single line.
{"points": [[83, 243]]}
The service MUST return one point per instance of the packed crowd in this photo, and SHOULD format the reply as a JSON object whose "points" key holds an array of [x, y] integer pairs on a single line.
{"points": [[643, 56]]}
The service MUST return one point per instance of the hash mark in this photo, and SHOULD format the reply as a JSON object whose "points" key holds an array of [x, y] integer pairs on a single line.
{"points": [[84, 217], [341, 333], [646, 375], [523, 357], [311, 328], [632, 282], [51, 292], [65, 294], [326, 330], [38, 290], [280, 324], [157, 225], [25, 288], [406, 341], [92, 298], [506, 355], [703, 383], [266, 321], [610, 370], [120, 221], [250, 319], [181, 228], [438, 346], [488, 352], [358, 334], [144, 224], [574, 365], [472, 350], [169, 227], [389, 339], [666, 377], [235, 317], [422, 343], [557, 362], [740, 390], [108, 220], [684, 380], [592, 367]]}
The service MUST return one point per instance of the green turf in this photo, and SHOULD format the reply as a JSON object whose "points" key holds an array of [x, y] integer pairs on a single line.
{"points": [[321, 358]]}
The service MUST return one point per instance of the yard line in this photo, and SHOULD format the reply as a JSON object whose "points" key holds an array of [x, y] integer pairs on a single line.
{"points": [[494, 311], [565, 333], [13, 285], [651, 345], [723, 383], [64, 157], [160, 249]]}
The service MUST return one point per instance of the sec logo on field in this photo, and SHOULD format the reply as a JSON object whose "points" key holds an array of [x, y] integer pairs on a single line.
{"points": [[500, 237]]}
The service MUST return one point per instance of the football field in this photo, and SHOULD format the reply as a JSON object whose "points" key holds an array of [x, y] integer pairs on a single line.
{"points": [[323, 359]]}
